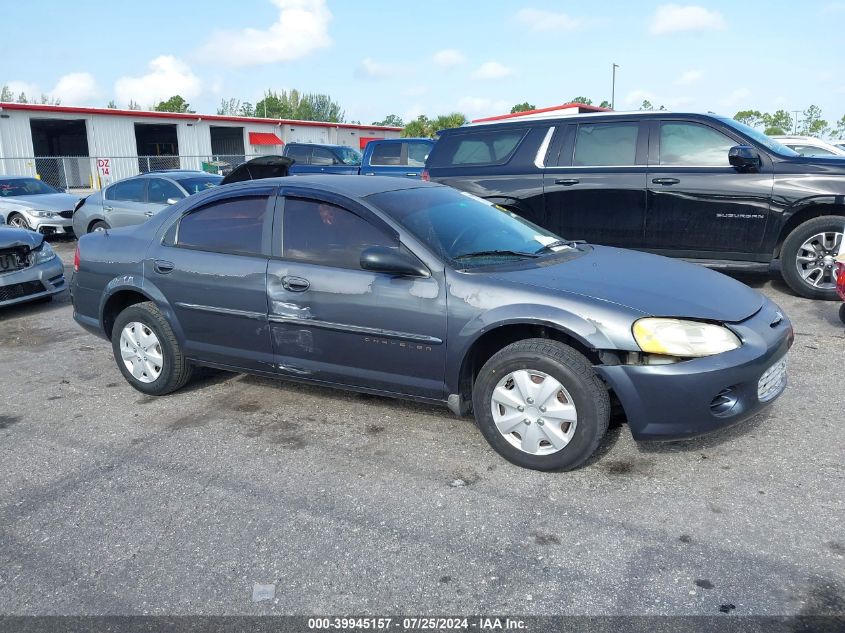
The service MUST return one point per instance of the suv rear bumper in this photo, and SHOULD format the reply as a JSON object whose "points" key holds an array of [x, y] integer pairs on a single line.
{"points": [[694, 397]]}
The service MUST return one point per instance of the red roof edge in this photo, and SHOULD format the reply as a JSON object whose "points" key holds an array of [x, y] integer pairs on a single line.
{"points": [[34, 107], [582, 106]]}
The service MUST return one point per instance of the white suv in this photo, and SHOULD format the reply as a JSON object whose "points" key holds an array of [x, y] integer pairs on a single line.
{"points": [[810, 146]]}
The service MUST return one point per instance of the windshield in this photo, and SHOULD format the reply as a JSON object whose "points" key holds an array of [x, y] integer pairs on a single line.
{"points": [[199, 183], [767, 142], [24, 187], [465, 229], [349, 156]]}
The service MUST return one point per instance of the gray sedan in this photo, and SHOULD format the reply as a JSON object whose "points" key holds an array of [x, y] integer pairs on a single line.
{"points": [[137, 199], [29, 268], [29, 203]]}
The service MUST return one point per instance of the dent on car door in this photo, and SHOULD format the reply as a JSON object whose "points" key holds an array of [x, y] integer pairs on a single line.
{"points": [[698, 203], [334, 322], [594, 182], [212, 269]]}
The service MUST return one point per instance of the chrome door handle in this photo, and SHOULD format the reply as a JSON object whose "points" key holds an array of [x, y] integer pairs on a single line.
{"points": [[163, 267], [295, 284], [108, 208], [149, 214], [567, 182], [412, 174], [665, 181]]}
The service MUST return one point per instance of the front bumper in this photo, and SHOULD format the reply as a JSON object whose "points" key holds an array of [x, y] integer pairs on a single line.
{"points": [[52, 226], [705, 394], [35, 282]]}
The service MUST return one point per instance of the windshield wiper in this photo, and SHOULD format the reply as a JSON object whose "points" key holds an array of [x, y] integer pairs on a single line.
{"points": [[556, 243], [494, 253]]}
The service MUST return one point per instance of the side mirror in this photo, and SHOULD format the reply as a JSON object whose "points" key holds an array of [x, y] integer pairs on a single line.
{"points": [[381, 259], [172, 200], [744, 158]]}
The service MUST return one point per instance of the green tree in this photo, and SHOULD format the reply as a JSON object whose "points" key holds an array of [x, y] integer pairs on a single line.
{"points": [[6, 95], [112, 105], [605, 104], [646, 105], [839, 132], [393, 120], [812, 123], [523, 107], [176, 103], [247, 109], [229, 107], [300, 107], [418, 128], [583, 100], [752, 118], [778, 123], [454, 119], [22, 98], [133, 105]]}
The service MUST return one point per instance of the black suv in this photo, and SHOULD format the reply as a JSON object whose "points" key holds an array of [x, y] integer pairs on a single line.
{"points": [[697, 186]]}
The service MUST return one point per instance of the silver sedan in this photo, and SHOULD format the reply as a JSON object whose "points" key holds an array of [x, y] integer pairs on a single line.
{"points": [[29, 203], [29, 268]]}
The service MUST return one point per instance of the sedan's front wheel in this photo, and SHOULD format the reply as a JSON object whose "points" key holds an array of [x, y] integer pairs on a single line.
{"points": [[147, 352], [539, 403], [17, 221]]}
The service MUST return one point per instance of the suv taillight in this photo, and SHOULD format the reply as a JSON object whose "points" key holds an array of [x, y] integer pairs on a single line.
{"points": [[425, 175], [76, 259], [840, 279]]}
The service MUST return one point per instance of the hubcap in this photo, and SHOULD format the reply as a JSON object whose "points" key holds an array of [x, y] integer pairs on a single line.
{"points": [[141, 352], [19, 222], [816, 260], [534, 412]]}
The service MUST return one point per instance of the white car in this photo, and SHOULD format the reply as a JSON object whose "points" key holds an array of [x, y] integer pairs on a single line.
{"points": [[810, 146], [29, 203]]}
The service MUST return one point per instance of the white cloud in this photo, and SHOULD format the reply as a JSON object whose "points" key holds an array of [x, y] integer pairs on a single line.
{"points": [[540, 20], [167, 76], [369, 68], [16, 87], [673, 18], [689, 77], [475, 107], [736, 98], [301, 29], [448, 57], [413, 112], [492, 70], [76, 89]]}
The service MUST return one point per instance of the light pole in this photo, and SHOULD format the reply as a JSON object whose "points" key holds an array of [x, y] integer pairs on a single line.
{"points": [[613, 87]]}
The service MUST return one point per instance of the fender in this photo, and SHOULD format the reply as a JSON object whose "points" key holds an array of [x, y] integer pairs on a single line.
{"points": [[589, 331], [837, 200], [137, 283]]}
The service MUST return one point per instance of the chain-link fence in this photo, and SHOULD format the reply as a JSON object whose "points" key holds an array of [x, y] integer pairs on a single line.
{"points": [[81, 173]]}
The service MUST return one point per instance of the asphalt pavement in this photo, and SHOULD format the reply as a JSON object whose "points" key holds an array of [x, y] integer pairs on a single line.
{"points": [[114, 502]]}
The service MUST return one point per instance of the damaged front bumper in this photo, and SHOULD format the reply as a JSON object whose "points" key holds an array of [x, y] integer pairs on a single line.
{"points": [[33, 282]]}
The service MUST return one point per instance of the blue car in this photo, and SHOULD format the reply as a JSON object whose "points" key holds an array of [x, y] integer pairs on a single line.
{"points": [[403, 157], [416, 290]]}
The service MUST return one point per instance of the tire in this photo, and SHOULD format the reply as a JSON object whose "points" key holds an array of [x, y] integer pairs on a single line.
{"points": [[793, 248], [541, 359], [163, 367], [18, 221], [99, 225], [842, 313]]}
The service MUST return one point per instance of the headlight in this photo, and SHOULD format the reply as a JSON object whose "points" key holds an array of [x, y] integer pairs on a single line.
{"points": [[41, 214], [675, 337], [44, 254]]}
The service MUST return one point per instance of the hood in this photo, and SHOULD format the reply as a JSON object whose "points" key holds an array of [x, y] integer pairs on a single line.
{"points": [[44, 201], [258, 168], [653, 285], [12, 238]]}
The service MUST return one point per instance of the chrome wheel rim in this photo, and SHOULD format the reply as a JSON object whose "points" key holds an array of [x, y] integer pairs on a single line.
{"points": [[816, 260], [141, 352], [534, 412], [18, 222]]}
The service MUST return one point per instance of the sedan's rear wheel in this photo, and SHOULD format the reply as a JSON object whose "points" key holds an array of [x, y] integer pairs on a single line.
{"points": [[147, 352], [540, 405], [99, 225]]}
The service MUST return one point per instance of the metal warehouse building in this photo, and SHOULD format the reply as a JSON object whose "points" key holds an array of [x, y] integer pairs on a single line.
{"points": [[86, 148]]}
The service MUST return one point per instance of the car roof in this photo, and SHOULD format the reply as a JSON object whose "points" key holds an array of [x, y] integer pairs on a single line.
{"points": [[176, 174], [317, 144], [354, 186], [585, 116]]}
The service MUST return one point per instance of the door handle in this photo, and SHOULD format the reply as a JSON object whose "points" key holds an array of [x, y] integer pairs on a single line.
{"points": [[567, 182], [665, 181], [295, 284], [412, 174], [163, 267], [108, 208], [149, 214]]}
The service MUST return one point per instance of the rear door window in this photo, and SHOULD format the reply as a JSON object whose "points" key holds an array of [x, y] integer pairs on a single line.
{"points": [[387, 155], [234, 225], [606, 144], [322, 156], [299, 153], [482, 148], [418, 153], [693, 145], [128, 190]]}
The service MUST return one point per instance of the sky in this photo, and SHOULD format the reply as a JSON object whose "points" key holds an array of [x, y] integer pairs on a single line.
{"points": [[380, 57]]}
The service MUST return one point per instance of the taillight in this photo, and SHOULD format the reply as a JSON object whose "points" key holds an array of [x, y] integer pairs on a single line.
{"points": [[425, 175], [840, 279], [76, 259]]}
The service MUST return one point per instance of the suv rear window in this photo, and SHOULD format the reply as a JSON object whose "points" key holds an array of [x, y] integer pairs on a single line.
{"points": [[606, 144], [481, 148]]}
